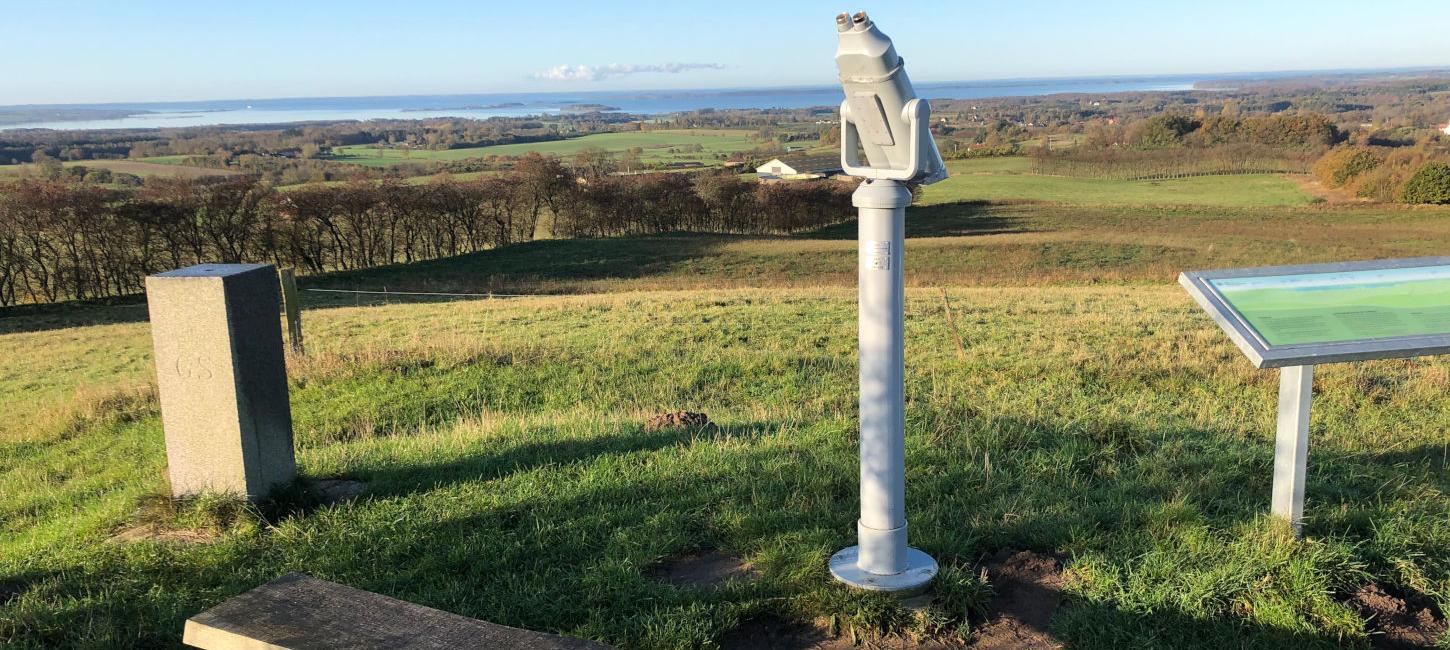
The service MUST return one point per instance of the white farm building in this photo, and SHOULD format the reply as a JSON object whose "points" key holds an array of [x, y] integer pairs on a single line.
{"points": [[799, 167]]}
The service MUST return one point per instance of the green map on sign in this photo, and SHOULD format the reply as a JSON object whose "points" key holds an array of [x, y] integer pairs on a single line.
{"points": [[1342, 306]]}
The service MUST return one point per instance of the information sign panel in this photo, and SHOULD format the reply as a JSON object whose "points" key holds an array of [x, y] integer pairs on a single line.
{"points": [[1304, 315]]}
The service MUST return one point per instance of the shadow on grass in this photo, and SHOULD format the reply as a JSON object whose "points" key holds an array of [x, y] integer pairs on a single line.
{"points": [[544, 261], [400, 481], [939, 220], [1091, 626], [544, 266], [64, 315], [1429, 461], [569, 552]]}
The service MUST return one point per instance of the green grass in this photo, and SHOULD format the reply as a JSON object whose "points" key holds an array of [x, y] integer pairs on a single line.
{"points": [[1093, 412], [656, 145], [1008, 179], [147, 168], [511, 480], [179, 159]]}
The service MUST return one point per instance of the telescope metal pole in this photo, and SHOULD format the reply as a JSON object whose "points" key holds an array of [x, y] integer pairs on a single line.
{"points": [[881, 560]]}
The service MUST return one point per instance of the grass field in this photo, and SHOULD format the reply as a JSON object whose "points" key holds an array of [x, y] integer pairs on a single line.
{"points": [[1002, 179], [142, 168], [656, 145], [1077, 403]]}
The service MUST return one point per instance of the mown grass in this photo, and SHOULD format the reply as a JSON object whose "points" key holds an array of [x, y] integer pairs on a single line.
{"points": [[656, 146], [510, 478]]}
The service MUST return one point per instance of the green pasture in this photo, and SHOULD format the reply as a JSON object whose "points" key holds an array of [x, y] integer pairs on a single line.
{"points": [[656, 145], [1009, 179], [143, 168]]}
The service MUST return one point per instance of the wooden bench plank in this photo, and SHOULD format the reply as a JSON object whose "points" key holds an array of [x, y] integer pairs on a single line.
{"points": [[299, 612]]}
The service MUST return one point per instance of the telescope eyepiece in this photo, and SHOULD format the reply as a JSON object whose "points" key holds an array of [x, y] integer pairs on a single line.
{"points": [[846, 22]]}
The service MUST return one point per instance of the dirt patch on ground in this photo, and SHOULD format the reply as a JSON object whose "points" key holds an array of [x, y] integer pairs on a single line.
{"points": [[155, 533], [676, 420], [1309, 185], [331, 491], [1394, 622], [780, 634], [1028, 590], [705, 569]]}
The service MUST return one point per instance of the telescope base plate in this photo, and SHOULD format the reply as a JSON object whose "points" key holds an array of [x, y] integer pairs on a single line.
{"points": [[921, 569]]}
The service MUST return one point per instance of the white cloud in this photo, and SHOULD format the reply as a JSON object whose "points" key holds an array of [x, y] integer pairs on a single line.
{"points": [[600, 72]]}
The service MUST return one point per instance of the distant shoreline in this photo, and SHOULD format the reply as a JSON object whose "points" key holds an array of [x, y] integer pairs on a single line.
{"points": [[236, 112]]}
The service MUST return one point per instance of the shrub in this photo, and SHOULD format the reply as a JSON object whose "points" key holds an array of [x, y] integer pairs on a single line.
{"points": [[1430, 184], [1339, 166], [1161, 131]]}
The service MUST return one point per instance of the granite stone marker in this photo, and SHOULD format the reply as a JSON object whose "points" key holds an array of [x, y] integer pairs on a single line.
{"points": [[299, 612], [223, 378]]}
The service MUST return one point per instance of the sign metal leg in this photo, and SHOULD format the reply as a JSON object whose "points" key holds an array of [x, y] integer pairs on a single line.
{"points": [[1291, 444]]}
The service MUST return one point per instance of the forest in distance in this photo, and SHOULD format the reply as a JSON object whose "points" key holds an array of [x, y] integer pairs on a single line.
{"points": [[61, 241]]}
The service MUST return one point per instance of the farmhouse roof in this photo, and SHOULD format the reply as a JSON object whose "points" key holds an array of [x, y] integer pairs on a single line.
{"points": [[813, 164]]}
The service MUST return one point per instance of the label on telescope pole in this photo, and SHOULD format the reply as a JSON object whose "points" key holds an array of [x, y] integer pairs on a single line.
{"points": [[876, 255]]}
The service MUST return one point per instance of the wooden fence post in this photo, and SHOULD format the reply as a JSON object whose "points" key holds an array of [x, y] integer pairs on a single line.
{"points": [[292, 305]]}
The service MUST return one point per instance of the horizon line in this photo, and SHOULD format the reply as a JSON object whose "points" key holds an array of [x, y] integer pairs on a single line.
{"points": [[1246, 74]]}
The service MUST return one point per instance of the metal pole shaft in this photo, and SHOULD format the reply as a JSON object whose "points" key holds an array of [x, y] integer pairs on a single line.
{"points": [[1291, 444], [882, 527]]}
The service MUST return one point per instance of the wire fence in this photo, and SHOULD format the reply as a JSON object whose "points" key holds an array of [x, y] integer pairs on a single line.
{"points": [[385, 293]]}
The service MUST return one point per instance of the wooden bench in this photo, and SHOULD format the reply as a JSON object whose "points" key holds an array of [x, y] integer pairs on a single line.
{"points": [[299, 612]]}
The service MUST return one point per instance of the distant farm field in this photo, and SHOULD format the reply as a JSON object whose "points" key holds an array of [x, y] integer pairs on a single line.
{"points": [[141, 168], [1010, 179], [657, 147]]}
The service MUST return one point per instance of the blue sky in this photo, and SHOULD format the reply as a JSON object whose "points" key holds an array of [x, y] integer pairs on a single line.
{"points": [[63, 51]]}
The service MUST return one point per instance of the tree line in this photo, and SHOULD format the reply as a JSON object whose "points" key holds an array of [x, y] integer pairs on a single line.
{"points": [[62, 240]]}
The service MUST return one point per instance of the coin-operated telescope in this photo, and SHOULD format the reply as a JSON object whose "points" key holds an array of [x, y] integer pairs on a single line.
{"points": [[881, 113], [882, 116]]}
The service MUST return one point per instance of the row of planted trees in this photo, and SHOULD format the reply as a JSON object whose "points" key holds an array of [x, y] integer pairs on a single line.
{"points": [[63, 240]]}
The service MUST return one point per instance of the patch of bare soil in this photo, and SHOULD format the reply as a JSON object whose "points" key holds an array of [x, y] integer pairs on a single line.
{"points": [[1311, 186], [1393, 622], [705, 569], [779, 634], [676, 420], [1028, 590], [155, 533], [338, 490]]}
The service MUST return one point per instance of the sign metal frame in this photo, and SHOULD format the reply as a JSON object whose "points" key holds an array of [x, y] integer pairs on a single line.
{"points": [[1296, 363], [1265, 355]]}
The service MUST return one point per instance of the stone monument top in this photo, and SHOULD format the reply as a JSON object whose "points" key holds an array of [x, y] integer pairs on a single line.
{"points": [[212, 270]]}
